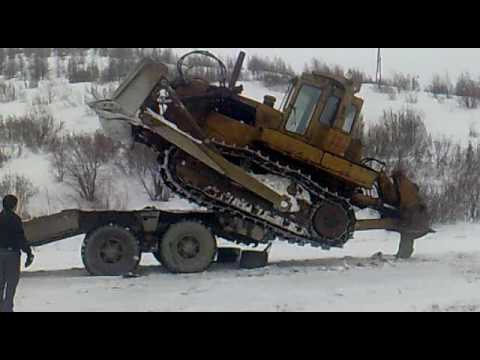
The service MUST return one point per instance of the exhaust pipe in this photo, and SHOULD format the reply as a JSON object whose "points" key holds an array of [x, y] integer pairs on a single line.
{"points": [[237, 70]]}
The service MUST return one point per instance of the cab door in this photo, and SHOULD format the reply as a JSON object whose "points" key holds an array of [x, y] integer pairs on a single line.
{"points": [[339, 137], [302, 110], [327, 116]]}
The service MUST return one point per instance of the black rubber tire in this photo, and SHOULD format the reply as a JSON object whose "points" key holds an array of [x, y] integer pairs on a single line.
{"points": [[253, 259], [201, 257], [228, 255], [93, 253]]}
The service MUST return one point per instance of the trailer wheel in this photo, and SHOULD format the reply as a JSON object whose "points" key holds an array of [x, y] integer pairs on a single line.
{"points": [[187, 247], [111, 251]]}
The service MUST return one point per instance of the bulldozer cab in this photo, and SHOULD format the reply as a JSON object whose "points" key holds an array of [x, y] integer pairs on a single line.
{"points": [[322, 110]]}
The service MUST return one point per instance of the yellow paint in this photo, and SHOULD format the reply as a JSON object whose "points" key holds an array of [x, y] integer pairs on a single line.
{"points": [[337, 142], [231, 131], [353, 173]]}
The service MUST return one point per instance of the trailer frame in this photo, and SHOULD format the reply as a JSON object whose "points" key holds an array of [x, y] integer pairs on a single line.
{"points": [[149, 228]]}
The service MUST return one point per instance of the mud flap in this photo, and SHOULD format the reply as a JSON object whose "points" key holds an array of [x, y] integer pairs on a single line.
{"points": [[252, 259], [228, 255]]}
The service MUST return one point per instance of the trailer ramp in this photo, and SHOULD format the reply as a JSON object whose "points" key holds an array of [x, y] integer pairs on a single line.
{"points": [[48, 229]]}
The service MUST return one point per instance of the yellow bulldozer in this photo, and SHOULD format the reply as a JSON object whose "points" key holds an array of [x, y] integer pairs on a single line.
{"points": [[293, 172]]}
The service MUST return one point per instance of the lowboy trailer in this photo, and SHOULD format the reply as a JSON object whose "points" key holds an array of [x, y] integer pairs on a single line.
{"points": [[115, 240]]}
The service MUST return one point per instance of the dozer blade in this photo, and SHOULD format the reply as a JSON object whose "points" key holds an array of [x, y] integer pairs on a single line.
{"points": [[117, 113], [138, 86], [415, 220], [401, 205], [407, 213]]}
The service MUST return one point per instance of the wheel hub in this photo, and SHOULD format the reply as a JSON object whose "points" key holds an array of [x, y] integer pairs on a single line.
{"points": [[112, 251], [188, 247]]}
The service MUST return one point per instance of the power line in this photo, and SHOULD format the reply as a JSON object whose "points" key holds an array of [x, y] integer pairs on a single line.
{"points": [[378, 77]]}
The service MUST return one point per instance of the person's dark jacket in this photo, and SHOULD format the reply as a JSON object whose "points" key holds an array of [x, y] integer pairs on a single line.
{"points": [[12, 235]]}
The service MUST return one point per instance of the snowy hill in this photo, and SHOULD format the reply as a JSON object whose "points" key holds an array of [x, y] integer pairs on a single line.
{"points": [[442, 116]]}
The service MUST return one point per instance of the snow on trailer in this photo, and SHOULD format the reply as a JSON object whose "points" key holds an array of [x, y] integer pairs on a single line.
{"points": [[115, 240]]}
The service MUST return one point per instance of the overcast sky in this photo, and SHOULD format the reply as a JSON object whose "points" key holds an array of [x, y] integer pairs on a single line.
{"points": [[421, 61]]}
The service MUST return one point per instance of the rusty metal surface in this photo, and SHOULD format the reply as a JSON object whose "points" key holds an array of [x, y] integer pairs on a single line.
{"points": [[47, 229]]}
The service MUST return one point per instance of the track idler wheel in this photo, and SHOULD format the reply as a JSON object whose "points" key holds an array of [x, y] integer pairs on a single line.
{"points": [[331, 221]]}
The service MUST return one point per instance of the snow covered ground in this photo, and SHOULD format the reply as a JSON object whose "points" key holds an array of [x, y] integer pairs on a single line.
{"points": [[443, 276]]}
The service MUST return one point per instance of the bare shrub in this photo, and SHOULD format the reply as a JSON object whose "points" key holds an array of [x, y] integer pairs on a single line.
{"points": [[41, 100], [141, 162], [473, 132], [3, 157], [447, 173], [8, 92], [444, 202], [94, 91], [411, 98], [392, 96], [87, 158], [275, 80], [272, 73], [469, 182], [398, 137], [388, 90], [468, 91], [165, 56], [359, 76], [405, 82], [257, 65], [440, 86], [109, 198], [442, 154], [22, 188], [48, 93], [58, 157], [319, 66], [36, 130]]}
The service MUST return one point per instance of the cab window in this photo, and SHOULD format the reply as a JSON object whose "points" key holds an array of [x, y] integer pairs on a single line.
{"points": [[351, 114], [302, 111], [330, 112], [288, 95]]}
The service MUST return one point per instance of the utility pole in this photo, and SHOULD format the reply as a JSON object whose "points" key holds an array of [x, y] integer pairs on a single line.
{"points": [[378, 77]]}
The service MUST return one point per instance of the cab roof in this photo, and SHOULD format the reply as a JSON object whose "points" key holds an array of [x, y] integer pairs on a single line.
{"points": [[343, 82]]}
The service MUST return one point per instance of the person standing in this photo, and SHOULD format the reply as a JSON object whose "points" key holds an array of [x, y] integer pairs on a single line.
{"points": [[12, 242]]}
